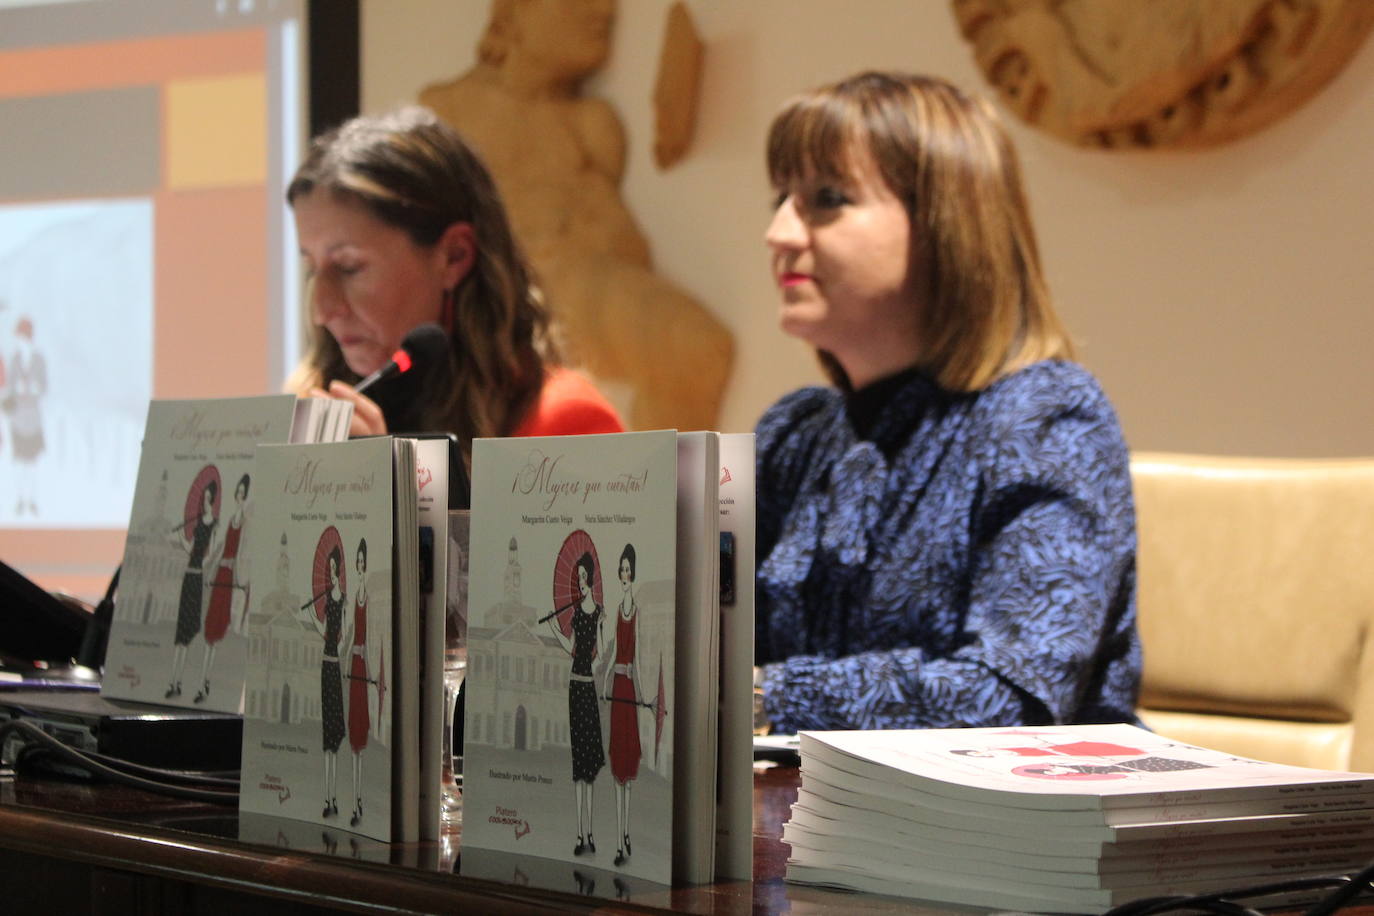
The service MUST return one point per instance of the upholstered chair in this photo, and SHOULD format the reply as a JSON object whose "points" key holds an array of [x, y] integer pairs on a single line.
{"points": [[1256, 600]]}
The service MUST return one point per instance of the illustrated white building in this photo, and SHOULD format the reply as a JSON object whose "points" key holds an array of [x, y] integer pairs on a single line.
{"points": [[154, 566], [527, 708], [283, 658]]}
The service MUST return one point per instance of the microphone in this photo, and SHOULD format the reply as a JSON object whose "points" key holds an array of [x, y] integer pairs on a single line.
{"points": [[423, 345]]}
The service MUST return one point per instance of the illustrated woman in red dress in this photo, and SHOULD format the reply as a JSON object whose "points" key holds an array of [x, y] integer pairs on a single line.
{"points": [[222, 586], [26, 387], [359, 722], [625, 694]]}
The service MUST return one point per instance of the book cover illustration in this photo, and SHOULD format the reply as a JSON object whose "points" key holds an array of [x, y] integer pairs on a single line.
{"points": [[177, 636], [317, 729], [1068, 767], [570, 711]]}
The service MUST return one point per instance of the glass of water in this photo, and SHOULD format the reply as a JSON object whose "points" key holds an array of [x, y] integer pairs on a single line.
{"points": [[455, 667], [455, 663]]}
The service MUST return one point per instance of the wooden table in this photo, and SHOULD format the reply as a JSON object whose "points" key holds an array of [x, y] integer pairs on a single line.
{"points": [[74, 848]]}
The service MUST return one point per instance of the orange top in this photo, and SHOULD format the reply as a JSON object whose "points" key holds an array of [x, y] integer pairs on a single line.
{"points": [[569, 404]]}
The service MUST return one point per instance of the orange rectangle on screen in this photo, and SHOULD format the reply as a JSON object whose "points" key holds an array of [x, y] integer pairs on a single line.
{"points": [[211, 295], [132, 62]]}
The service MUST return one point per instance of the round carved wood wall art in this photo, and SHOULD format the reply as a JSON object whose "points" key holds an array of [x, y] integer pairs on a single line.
{"points": [[1149, 73]]}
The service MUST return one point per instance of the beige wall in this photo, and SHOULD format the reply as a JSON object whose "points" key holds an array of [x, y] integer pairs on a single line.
{"points": [[1225, 299]]}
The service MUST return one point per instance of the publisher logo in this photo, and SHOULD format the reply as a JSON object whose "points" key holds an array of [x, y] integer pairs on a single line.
{"points": [[512, 817], [270, 783]]}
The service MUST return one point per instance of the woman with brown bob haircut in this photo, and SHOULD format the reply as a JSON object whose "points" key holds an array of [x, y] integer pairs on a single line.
{"points": [[946, 535], [400, 224]]}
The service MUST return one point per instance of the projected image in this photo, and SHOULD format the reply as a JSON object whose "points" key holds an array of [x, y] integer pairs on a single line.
{"points": [[73, 403], [145, 248]]}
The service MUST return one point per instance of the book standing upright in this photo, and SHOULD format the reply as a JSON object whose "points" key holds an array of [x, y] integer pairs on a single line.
{"points": [[557, 526], [331, 719], [177, 633], [593, 651]]}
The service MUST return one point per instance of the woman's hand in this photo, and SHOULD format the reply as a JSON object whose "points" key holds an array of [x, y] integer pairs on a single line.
{"points": [[367, 416]]}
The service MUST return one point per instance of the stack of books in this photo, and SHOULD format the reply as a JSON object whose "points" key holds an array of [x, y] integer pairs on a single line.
{"points": [[1068, 819]]}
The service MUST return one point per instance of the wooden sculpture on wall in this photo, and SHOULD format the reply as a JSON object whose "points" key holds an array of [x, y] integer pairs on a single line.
{"points": [[677, 87], [557, 157], [1146, 73]]}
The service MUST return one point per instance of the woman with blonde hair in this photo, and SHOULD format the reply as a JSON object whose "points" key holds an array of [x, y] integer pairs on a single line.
{"points": [[946, 534], [400, 224]]}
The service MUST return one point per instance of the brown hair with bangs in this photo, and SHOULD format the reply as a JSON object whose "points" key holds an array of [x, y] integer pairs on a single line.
{"points": [[414, 173], [985, 309]]}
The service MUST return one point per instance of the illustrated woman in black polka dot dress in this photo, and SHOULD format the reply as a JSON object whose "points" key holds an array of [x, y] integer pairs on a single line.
{"points": [[331, 680], [584, 717]]}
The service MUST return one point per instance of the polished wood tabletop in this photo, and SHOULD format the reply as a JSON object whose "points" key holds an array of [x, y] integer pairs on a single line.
{"points": [[107, 849], [73, 847]]}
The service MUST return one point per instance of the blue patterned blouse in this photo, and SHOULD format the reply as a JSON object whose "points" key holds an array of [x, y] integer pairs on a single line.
{"points": [[968, 561]]}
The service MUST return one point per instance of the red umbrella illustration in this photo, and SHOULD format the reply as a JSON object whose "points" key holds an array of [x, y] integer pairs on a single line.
{"points": [[319, 572], [195, 497], [566, 595]]}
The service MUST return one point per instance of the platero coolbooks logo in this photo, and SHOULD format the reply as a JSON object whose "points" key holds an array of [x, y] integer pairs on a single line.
{"points": [[725, 476], [512, 817], [275, 784]]}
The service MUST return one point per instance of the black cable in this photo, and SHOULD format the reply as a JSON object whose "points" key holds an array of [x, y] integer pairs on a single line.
{"points": [[70, 755], [1147, 905], [219, 778], [228, 779], [1344, 889], [1359, 882]]}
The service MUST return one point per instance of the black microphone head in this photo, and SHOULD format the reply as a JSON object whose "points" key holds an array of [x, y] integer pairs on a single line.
{"points": [[426, 344]]}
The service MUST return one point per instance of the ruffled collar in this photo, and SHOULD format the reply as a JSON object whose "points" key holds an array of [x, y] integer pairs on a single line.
{"points": [[886, 411]]}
